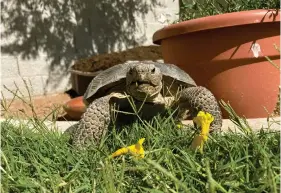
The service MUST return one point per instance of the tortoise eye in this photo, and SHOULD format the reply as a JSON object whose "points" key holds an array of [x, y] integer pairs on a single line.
{"points": [[153, 70]]}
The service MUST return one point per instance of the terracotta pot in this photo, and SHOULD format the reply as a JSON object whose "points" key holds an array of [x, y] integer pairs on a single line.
{"points": [[80, 80], [75, 108], [222, 53]]}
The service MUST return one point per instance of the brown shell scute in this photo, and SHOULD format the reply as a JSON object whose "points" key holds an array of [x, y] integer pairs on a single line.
{"points": [[117, 74], [106, 77], [173, 71]]}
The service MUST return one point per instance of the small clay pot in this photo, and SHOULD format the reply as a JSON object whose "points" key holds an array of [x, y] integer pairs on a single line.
{"points": [[75, 108], [225, 53]]}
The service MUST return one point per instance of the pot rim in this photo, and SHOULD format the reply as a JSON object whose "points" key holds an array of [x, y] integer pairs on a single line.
{"points": [[82, 73], [217, 21]]}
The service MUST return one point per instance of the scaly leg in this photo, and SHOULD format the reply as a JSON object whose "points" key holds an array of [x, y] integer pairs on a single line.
{"points": [[195, 99], [94, 122]]}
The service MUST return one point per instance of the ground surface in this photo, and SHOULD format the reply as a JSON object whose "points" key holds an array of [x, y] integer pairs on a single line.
{"points": [[42, 105], [45, 105]]}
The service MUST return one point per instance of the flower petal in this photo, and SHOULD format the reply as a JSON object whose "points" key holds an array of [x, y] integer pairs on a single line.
{"points": [[202, 120], [136, 150], [120, 151]]}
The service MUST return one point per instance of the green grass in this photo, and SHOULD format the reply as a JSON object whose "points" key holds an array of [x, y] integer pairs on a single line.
{"points": [[232, 162]]}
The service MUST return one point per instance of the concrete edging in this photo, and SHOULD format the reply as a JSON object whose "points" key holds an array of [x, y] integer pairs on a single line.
{"points": [[228, 125]]}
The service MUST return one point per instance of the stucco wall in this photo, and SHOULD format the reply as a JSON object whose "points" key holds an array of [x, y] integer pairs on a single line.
{"points": [[40, 42]]}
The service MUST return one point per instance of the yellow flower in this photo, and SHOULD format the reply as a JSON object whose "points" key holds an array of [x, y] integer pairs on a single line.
{"points": [[136, 150], [202, 120], [179, 126]]}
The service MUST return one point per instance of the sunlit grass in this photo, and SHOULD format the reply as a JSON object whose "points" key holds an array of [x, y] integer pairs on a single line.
{"points": [[45, 162], [40, 160]]}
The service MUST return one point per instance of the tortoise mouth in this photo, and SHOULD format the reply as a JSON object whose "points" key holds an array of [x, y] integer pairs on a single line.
{"points": [[141, 90], [140, 83], [142, 86]]}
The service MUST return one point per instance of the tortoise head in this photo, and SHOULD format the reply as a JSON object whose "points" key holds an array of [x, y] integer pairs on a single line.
{"points": [[144, 81]]}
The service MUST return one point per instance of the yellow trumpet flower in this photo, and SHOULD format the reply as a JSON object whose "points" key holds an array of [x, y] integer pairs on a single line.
{"points": [[202, 120], [136, 150], [179, 126]]}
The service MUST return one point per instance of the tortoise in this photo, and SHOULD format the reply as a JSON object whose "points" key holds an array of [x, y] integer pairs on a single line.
{"points": [[153, 86]]}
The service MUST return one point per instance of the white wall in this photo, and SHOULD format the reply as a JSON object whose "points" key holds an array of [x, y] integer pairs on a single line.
{"points": [[40, 44]]}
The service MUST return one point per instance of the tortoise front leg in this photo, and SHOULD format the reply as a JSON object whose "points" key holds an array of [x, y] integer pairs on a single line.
{"points": [[94, 122], [195, 99]]}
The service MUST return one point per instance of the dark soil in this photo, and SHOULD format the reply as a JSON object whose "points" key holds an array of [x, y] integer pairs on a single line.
{"points": [[104, 61]]}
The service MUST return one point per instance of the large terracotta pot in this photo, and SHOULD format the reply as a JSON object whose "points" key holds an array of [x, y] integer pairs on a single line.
{"points": [[226, 53]]}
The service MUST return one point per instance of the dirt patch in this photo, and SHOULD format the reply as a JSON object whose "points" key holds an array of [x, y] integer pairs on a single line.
{"points": [[104, 61], [49, 106]]}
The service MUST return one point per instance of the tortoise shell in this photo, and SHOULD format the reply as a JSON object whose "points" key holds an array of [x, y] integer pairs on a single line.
{"points": [[116, 75]]}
